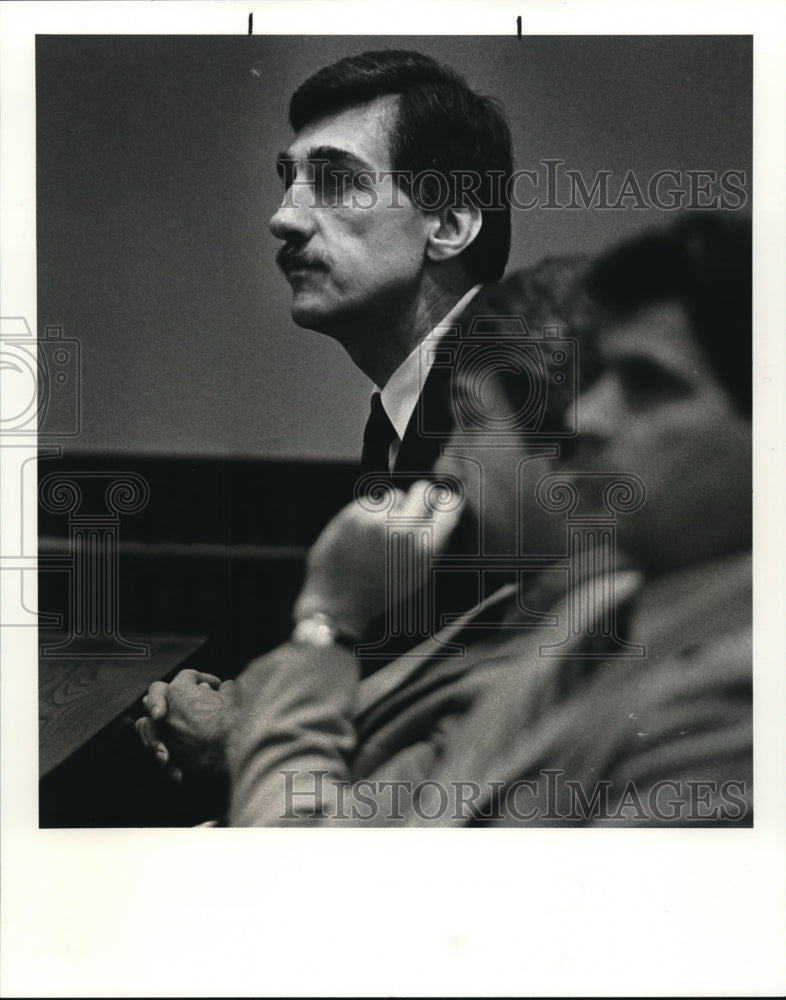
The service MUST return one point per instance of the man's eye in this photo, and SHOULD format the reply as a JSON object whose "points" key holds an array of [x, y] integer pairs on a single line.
{"points": [[286, 174], [647, 384], [336, 179]]}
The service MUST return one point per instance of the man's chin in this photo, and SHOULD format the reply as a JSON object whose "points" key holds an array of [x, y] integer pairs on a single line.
{"points": [[309, 316]]}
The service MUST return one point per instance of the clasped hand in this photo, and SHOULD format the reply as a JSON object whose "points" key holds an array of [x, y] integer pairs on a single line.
{"points": [[187, 722]]}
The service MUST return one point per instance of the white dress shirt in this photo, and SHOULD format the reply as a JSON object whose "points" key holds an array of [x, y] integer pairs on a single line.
{"points": [[402, 392]]}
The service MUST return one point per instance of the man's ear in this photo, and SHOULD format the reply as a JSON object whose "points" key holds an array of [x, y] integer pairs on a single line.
{"points": [[452, 231]]}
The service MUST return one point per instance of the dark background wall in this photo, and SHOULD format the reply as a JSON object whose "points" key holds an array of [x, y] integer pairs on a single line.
{"points": [[156, 182]]}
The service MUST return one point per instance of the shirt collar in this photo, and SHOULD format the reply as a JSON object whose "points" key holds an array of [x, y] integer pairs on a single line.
{"points": [[403, 389]]}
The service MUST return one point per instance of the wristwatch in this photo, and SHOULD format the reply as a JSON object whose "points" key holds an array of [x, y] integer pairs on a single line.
{"points": [[319, 629]]}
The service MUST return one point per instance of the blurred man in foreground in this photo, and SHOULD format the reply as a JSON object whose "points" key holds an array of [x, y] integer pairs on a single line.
{"points": [[646, 722], [668, 738]]}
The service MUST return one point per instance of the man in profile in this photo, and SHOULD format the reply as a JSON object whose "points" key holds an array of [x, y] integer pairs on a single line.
{"points": [[394, 217]]}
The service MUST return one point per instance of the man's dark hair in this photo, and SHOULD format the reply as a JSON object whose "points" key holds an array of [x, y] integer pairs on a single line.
{"points": [[442, 126], [703, 262]]}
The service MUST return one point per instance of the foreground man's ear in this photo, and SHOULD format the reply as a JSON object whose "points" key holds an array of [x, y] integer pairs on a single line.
{"points": [[452, 231]]}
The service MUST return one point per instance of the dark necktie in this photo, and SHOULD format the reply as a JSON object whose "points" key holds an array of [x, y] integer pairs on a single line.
{"points": [[377, 438]]}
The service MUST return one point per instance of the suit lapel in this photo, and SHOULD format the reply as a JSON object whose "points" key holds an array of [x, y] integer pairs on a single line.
{"points": [[429, 426], [428, 657]]}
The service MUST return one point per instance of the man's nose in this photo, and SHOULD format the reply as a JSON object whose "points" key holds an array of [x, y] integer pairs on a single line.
{"points": [[294, 216], [599, 409]]}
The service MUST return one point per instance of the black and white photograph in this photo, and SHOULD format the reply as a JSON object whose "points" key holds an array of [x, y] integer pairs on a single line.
{"points": [[389, 419]]}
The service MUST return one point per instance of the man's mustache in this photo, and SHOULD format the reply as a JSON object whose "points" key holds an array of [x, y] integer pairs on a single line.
{"points": [[291, 258]]}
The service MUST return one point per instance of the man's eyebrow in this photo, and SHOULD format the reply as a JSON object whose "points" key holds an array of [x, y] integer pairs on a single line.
{"points": [[323, 154], [335, 155], [650, 366]]}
